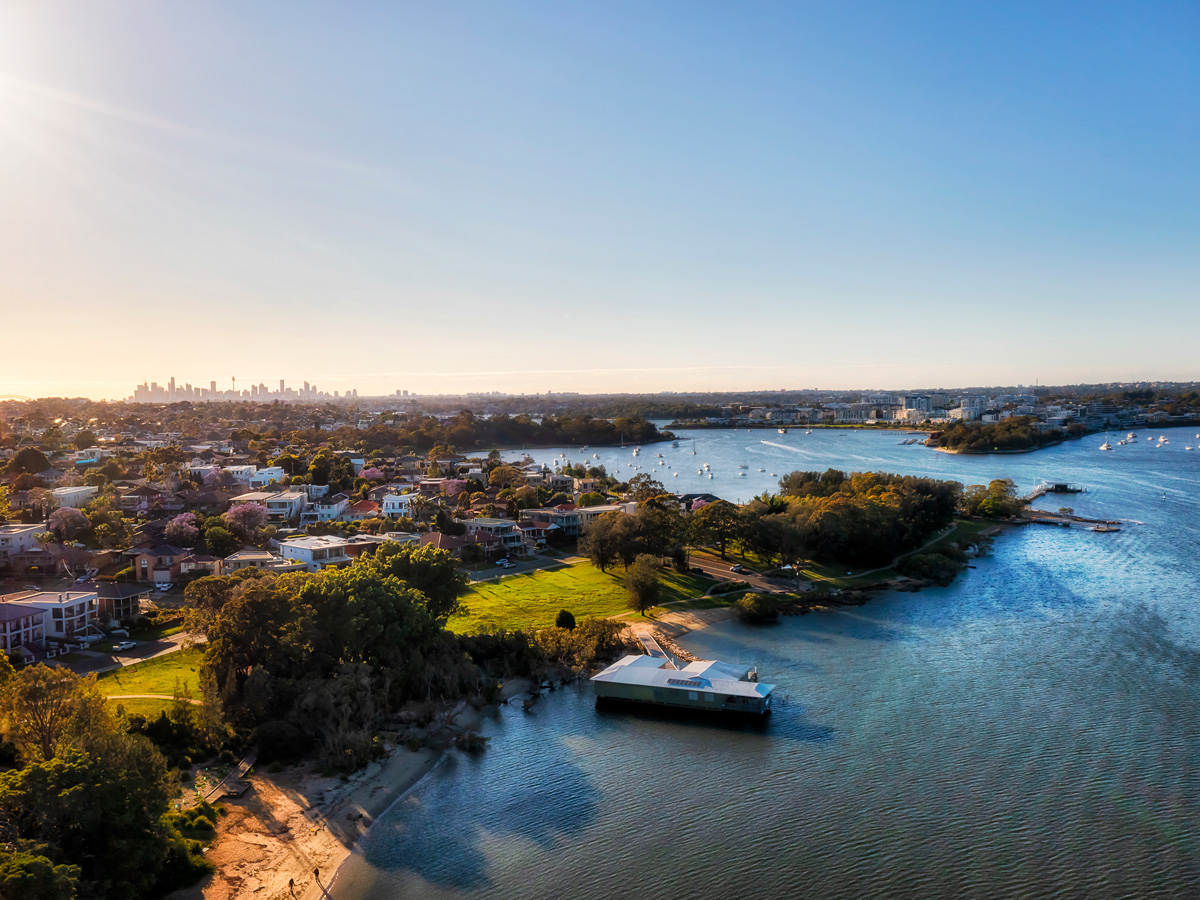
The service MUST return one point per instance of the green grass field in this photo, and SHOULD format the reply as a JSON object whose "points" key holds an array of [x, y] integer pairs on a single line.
{"points": [[155, 676], [533, 600]]}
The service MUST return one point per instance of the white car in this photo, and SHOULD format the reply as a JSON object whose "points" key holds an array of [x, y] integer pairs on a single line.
{"points": [[165, 586], [124, 645], [506, 564]]}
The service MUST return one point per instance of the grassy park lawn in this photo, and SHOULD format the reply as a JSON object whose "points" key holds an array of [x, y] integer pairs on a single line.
{"points": [[533, 600], [155, 676]]}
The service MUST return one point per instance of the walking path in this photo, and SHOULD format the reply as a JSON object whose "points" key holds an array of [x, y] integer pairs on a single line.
{"points": [[151, 697]]}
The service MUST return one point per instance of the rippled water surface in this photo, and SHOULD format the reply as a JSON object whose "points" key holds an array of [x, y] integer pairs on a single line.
{"points": [[1030, 731]]}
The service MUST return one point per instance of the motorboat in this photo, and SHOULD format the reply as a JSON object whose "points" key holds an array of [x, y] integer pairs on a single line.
{"points": [[1106, 445]]}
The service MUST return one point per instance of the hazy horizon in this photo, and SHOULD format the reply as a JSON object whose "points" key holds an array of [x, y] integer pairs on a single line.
{"points": [[617, 198]]}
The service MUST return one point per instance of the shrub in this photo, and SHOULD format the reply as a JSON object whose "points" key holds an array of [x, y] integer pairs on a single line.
{"points": [[565, 619], [756, 608], [728, 587]]}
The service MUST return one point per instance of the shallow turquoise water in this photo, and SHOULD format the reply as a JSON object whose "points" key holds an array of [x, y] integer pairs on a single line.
{"points": [[1030, 731]]}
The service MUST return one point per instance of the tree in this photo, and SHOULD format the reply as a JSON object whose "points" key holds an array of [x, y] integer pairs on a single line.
{"points": [[641, 581], [601, 543], [29, 460], [565, 619], [246, 520], [7, 672], [84, 440], [642, 487], [431, 571], [716, 523], [28, 876], [507, 476], [38, 706], [3, 503], [221, 541], [182, 531]]}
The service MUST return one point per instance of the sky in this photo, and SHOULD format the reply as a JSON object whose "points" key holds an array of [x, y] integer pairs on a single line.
{"points": [[616, 196]]}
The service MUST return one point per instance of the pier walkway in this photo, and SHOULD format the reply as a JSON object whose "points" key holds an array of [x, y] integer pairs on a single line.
{"points": [[651, 646]]}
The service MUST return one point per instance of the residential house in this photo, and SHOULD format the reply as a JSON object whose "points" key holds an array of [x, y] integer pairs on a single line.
{"points": [[22, 628], [200, 564], [282, 506], [76, 496], [17, 538], [266, 475], [504, 530], [119, 602], [317, 552], [325, 509], [69, 614], [159, 563], [396, 506], [259, 559], [363, 509]]}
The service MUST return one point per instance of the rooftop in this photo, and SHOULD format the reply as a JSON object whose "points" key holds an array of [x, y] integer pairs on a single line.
{"points": [[703, 675]]}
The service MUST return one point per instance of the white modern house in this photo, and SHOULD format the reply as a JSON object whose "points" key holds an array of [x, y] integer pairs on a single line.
{"points": [[396, 506], [317, 552], [17, 539], [69, 614], [75, 496], [265, 476], [22, 628], [325, 509], [240, 473]]}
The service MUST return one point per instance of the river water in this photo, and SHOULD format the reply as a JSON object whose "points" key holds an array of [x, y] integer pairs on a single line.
{"points": [[1029, 731]]}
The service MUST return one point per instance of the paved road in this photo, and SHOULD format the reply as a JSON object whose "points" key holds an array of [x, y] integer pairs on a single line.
{"points": [[97, 662], [719, 569], [534, 565]]}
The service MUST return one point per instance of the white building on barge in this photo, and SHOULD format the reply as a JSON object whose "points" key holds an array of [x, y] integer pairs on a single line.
{"points": [[702, 685]]}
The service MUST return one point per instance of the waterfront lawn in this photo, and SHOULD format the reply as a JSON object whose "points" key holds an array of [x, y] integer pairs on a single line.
{"points": [[155, 676], [532, 600]]}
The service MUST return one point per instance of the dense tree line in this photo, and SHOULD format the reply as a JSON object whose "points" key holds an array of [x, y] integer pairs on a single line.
{"points": [[864, 518], [317, 664], [84, 804], [470, 432], [1017, 433]]}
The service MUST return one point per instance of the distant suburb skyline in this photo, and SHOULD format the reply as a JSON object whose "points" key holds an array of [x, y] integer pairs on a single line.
{"points": [[625, 197]]}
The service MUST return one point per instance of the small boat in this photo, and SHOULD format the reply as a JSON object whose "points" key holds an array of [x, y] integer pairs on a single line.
{"points": [[1106, 445], [673, 444], [699, 471], [741, 474], [710, 474], [783, 431], [761, 469], [743, 466], [1105, 528], [809, 431]]}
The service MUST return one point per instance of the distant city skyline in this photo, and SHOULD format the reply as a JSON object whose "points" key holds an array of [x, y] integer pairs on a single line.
{"points": [[464, 197]]}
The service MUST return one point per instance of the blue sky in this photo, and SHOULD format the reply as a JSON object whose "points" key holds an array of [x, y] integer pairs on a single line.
{"points": [[616, 196]]}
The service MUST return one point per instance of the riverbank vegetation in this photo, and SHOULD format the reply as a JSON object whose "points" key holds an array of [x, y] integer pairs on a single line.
{"points": [[1012, 435], [84, 803]]}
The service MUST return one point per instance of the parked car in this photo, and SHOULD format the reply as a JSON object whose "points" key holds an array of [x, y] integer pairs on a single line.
{"points": [[506, 564], [737, 568], [165, 586], [124, 645]]}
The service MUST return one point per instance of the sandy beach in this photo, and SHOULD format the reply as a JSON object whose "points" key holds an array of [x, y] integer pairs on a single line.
{"points": [[296, 822]]}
